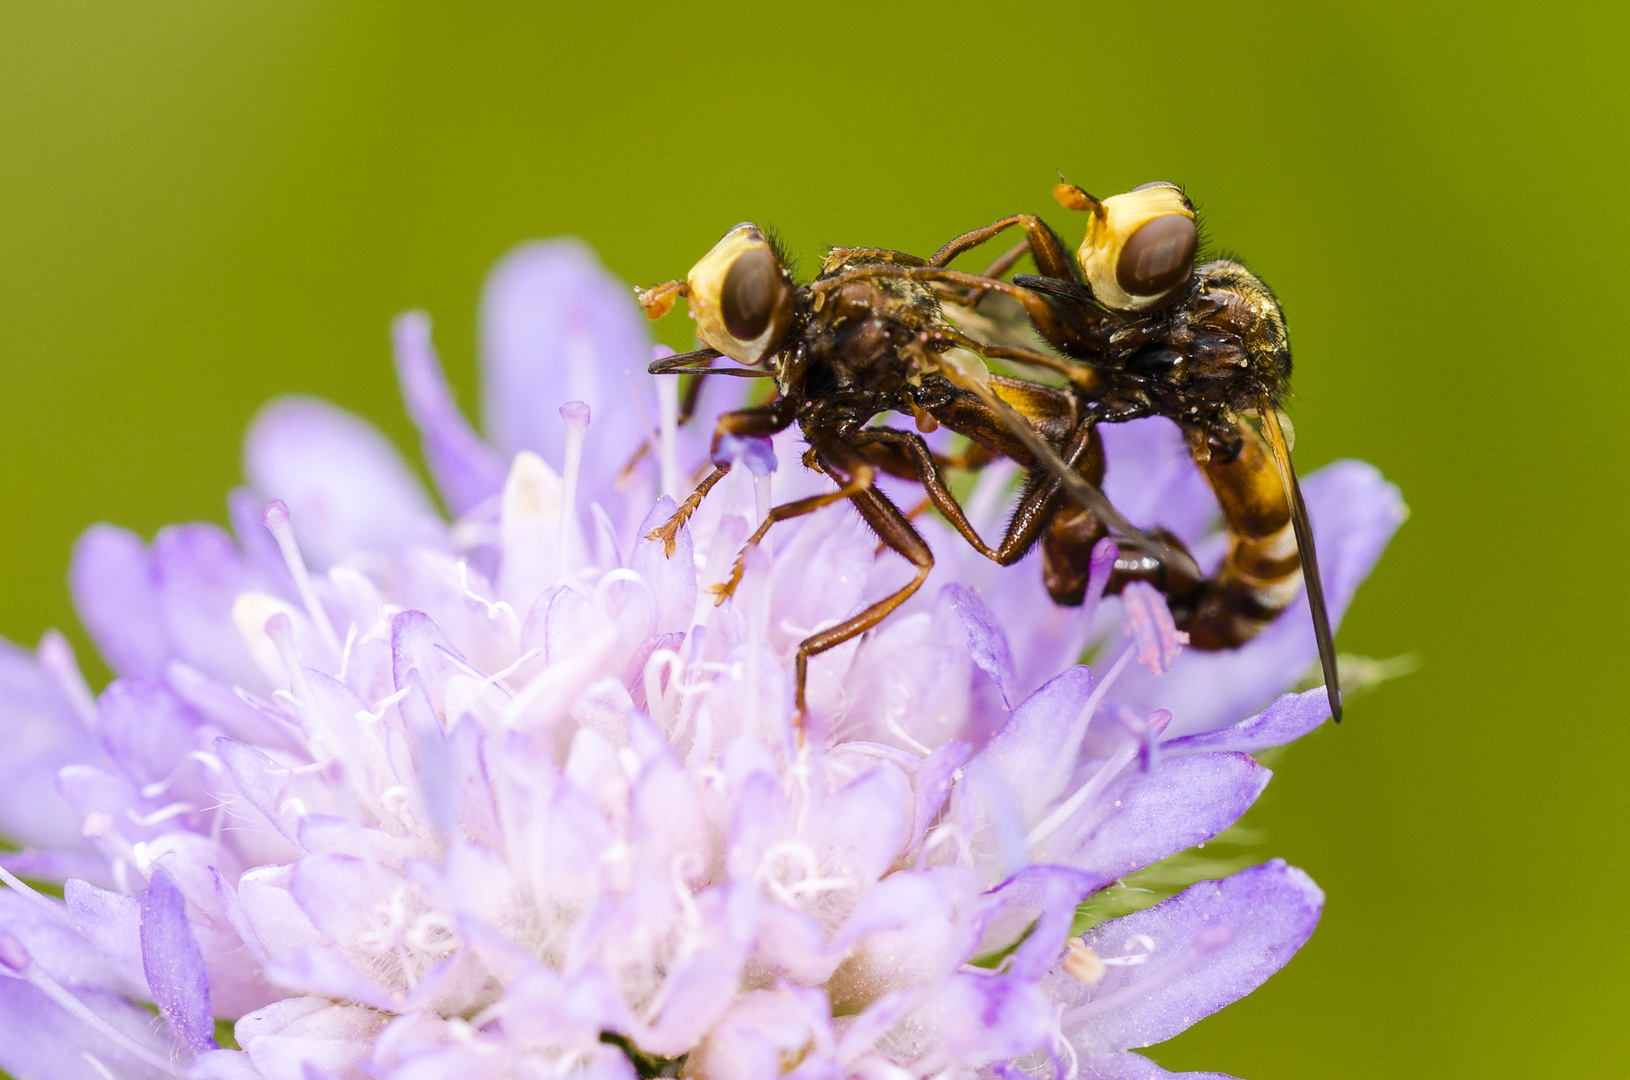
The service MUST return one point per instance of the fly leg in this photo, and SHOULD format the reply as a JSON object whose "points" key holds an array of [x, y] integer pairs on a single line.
{"points": [[760, 421], [1052, 258], [859, 479], [1066, 531], [892, 527]]}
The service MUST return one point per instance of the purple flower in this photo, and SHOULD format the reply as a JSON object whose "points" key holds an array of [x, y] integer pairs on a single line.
{"points": [[508, 795]]}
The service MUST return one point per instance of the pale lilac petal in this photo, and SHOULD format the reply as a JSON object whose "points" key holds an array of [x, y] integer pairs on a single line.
{"points": [[672, 578], [1355, 512], [763, 1030], [555, 327], [987, 643], [221, 706], [41, 734], [117, 600], [418, 644], [287, 1038], [863, 826], [703, 983], [346, 487], [262, 783], [980, 1019], [932, 785], [1286, 720], [223, 1065], [465, 468], [546, 1008], [323, 970], [916, 951], [1214, 942], [174, 964]]}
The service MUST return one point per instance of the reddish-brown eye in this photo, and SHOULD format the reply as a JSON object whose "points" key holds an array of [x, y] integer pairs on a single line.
{"points": [[751, 289], [1158, 256]]}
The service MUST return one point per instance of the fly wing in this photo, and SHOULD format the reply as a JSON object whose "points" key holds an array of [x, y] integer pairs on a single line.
{"points": [[1074, 484], [1310, 559], [1067, 290]]}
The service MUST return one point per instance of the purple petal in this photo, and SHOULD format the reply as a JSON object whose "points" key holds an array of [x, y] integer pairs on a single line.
{"points": [[1125, 1065], [1041, 900], [987, 642], [1213, 943], [55, 944], [43, 1042], [555, 327], [1152, 479], [112, 923], [346, 487], [1143, 817], [199, 575], [174, 963], [118, 602], [42, 735], [1035, 754], [672, 578], [145, 728], [466, 469], [758, 454], [1286, 720], [1355, 512]]}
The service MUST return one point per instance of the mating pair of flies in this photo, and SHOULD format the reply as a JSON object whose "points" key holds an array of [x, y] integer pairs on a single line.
{"points": [[1135, 325]]}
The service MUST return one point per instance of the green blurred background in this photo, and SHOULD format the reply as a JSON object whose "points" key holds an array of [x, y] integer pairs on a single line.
{"points": [[206, 204]]}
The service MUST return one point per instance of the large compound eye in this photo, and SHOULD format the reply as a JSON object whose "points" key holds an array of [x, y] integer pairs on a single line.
{"points": [[1158, 256], [749, 296]]}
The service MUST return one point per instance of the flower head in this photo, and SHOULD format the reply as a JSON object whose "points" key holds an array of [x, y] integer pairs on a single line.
{"points": [[509, 795]]}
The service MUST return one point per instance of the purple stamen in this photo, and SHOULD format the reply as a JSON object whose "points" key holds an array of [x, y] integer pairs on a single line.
{"points": [[1149, 625]]}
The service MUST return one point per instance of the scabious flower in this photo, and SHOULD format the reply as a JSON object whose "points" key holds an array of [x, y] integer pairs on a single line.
{"points": [[383, 795]]}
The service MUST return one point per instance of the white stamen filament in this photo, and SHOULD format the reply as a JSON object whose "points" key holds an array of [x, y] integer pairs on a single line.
{"points": [[18, 885], [1094, 787], [656, 704], [668, 453], [276, 519]]}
